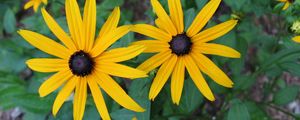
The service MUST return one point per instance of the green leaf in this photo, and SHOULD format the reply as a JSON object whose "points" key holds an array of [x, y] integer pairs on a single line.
{"points": [[32, 102], [122, 114], [189, 16], [9, 21], [238, 111], [286, 95]]}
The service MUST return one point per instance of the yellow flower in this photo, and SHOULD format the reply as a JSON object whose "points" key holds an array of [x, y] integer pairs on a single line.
{"points": [[35, 4], [287, 3], [296, 39], [84, 62], [178, 49]]}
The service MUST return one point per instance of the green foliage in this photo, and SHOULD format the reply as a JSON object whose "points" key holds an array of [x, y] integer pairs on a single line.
{"points": [[265, 77]]}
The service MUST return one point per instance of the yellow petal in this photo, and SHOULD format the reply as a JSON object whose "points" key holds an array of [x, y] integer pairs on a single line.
{"points": [[152, 31], [54, 82], [177, 80], [214, 32], [98, 98], [45, 44], [296, 39], [74, 21], [89, 23], [176, 14], [108, 40], [58, 31], [161, 13], [28, 4], [119, 70], [116, 92], [155, 61], [198, 79], [80, 99], [162, 76], [121, 54], [216, 49], [203, 17], [36, 5], [209, 68], [153, 46], [286, 5], [161, 25], [45, 1], [111, 23], [64, 94], [47, 65]]}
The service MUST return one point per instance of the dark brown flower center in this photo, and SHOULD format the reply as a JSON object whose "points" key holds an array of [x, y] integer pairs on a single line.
{"points": [[81, 64], [180, 44], [290, 1]]}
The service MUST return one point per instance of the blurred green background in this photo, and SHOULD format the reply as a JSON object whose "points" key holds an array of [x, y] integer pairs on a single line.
{"points": [[266, 77]]}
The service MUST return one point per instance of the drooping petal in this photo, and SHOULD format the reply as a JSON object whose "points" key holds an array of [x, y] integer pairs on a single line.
{"points": [[213, 71], [108, 40], [121, 54], [214, 32], [28, 4], [155, 61], [116, 92], [58, 31], [162, 15], [216, 49], [98, 98], [89, 23], [119, 70], [80, 99], [198, 79], [74, 21], [286, 5], [177, 80], [176, 14], [45, 44], [153, 46], [296, 39], [152, 32], [54, 82], [111, 23], [36, 5], [64, 94], [203, 17], [47, 65], [162, 76]]}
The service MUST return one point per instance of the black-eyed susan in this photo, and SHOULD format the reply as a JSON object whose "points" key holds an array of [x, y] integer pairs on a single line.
{"points": [[178, 49], [287, 3], [35, 4], [83, 63]]}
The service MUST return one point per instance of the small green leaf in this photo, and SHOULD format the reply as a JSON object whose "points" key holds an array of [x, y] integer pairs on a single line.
{"points": [[286, 95], [189, 16], [9, 21], [238, 111]]}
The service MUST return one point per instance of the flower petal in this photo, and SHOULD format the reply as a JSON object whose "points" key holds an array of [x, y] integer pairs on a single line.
{"points": [[296, 39], [117, 93], [64, 94], [152, 31], [198, 79], [176, 14], [119, 70], [177, 80], [80, 99], [28, 4], [121, 54], [214, 32], [58, 31], [111, 23], [203, 17], [161, 25], [217, 49], [89, 23], [209, 68], [54, 82], [162, 76], [74, 21], [108, 40], [153, 46], [155, 61], [47, 65], [286, 5], [98, 98], [45, 44], [162, 15]]}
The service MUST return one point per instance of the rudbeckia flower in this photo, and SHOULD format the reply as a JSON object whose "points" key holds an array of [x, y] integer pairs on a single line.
{"points": [[178, 49], [35, 4], [83, 62], [287, 3]]}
